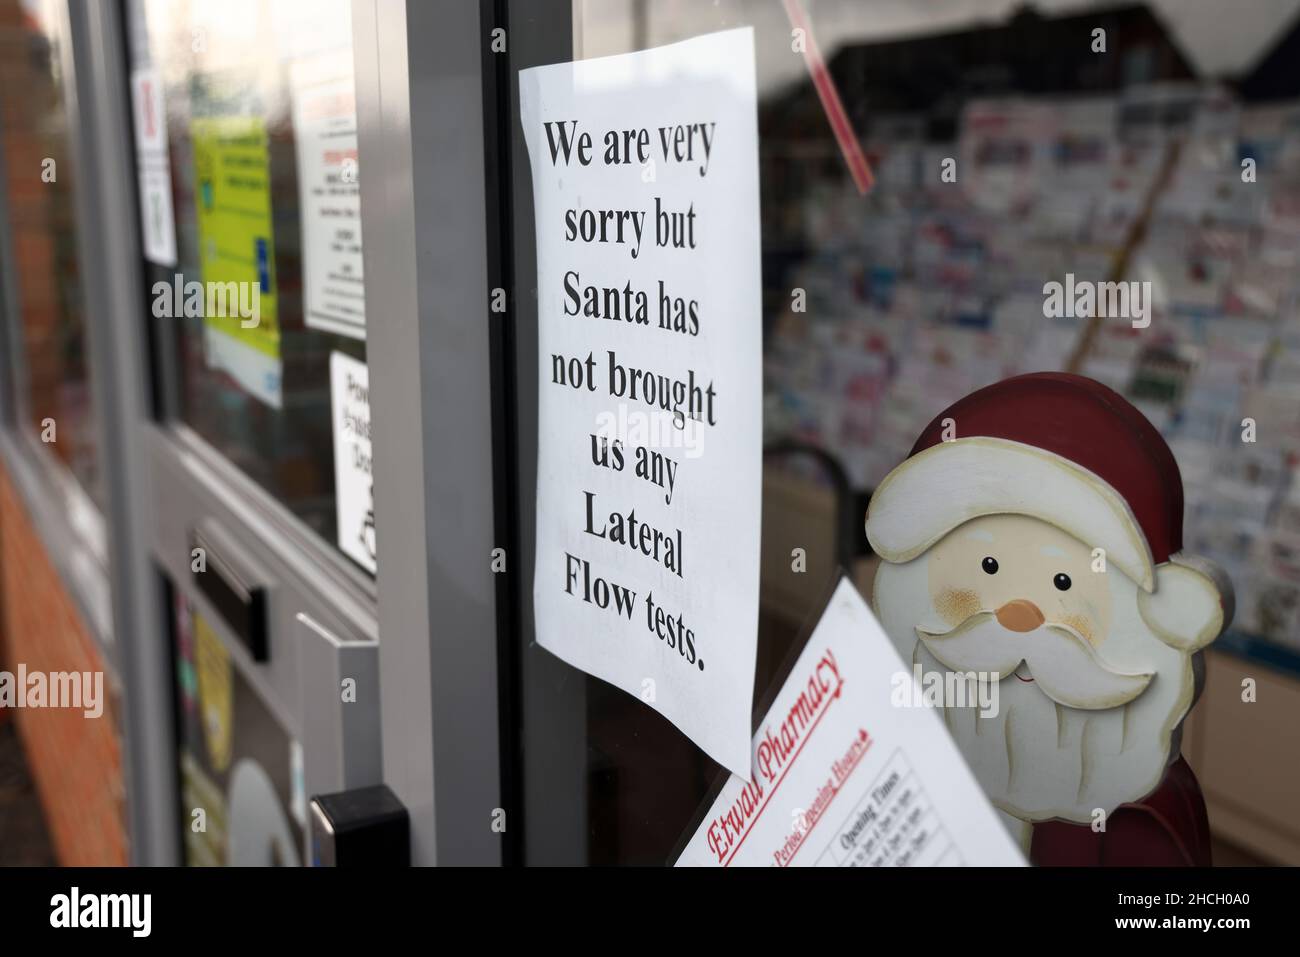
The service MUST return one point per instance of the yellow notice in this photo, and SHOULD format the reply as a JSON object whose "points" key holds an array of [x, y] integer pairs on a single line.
{"points": [[236, 246]]}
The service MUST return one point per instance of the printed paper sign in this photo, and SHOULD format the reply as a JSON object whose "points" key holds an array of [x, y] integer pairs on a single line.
{"points": [[645, 182], [353, 481], [848, 772], [325, 124], [153, 167], [236, 250]]}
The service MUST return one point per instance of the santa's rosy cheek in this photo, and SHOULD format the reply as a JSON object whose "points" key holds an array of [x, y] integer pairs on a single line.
{"points": [[955, 605], [1083, 625]]}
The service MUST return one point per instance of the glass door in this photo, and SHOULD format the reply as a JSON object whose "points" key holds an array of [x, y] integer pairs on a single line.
{"points": [[291, 194], [261, 527]]}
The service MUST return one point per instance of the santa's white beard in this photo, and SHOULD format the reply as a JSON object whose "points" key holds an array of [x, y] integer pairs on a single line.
{"points": [[1063, 664], [1038, 759]]}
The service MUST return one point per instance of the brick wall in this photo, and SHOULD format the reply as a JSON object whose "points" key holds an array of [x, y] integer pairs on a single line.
{"points": [[75, 761]]}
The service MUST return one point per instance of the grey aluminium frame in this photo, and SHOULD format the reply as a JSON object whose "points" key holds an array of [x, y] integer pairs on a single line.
{"points": [[120, 623], [419, 86], [552, 697], [109, 250]]}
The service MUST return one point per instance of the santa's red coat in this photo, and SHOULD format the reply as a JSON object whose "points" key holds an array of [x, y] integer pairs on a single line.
{"points": [[1167, 829]]}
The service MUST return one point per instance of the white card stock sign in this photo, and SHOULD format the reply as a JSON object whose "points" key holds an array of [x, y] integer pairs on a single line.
{"points": [[157, 223], [846, 777], [645, 184], [354, 490], [325, 122]]}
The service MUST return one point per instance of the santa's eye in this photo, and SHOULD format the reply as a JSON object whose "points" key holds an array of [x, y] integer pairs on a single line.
{"points": [[990, 565], [1062, 581]]}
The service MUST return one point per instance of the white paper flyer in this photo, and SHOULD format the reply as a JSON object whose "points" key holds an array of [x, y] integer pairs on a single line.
{"points": [[325, 124], [354, 483], [153, 167], [645, 184], [848, 772]]}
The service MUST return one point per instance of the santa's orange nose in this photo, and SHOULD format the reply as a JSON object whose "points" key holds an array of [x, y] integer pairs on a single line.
{"points": [[1020, 615]]}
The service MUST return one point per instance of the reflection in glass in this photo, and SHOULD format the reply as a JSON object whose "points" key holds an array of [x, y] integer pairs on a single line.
{"points": [[929, 287], [39, 189], [260, 127]]}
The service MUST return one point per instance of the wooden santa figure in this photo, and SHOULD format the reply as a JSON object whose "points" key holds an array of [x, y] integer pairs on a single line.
{"points": [[1033, 539]]}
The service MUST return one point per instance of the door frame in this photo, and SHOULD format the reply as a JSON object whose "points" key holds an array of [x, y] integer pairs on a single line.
{"points": [[419, 75]]}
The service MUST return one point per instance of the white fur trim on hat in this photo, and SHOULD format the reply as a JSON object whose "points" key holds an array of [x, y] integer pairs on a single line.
{"points": [[948, 484], [1192, 602]]}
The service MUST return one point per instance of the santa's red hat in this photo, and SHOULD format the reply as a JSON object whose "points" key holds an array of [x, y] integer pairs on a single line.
{"points": [[1057, 447]]}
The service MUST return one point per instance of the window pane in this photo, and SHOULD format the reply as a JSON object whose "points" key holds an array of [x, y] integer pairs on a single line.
{"points": [[39, 188], [260, 278], [922, 289]]}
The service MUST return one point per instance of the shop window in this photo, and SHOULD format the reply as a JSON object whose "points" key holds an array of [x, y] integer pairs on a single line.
{"points": [[923, 288]]}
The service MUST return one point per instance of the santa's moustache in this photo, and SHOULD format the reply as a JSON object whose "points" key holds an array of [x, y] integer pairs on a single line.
{"points": [[1061, 661]]}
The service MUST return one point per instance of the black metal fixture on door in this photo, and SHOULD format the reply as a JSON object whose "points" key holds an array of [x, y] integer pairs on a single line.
{"points": [[241, 602]]}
